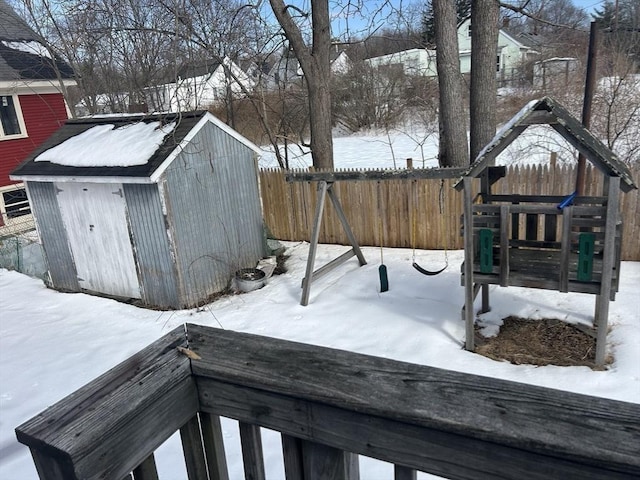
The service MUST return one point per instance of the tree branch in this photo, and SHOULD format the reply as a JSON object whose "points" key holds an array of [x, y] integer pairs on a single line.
{"points": [[522, 10]]}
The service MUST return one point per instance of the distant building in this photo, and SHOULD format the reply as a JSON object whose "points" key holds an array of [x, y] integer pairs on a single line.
{"points": [[416, 61], [198, 86], [513, 51]]}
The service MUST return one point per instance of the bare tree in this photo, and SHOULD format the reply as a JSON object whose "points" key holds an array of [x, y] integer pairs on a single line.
{"points": [[315, 63], [453, 133], [554, 18], [112, 65]]}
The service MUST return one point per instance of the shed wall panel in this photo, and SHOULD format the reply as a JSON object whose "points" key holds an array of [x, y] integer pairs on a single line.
{"points": [[151, 246], [215, 213], [42, 196]]}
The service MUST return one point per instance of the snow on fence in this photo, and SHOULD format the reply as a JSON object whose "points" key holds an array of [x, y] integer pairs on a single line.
{"points": [[329, 406], [424, 213]]}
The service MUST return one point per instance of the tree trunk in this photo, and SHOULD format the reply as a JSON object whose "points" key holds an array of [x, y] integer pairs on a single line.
{"points": [[453, 133], [320, 122], [316, 66], [484, 62]]}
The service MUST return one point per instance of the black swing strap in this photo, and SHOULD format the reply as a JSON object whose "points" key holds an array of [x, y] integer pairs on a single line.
{"points": [[428, 272]]}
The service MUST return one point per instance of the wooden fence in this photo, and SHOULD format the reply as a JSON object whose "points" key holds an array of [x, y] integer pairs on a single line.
{"points": [[329, 406], [424, 213]]}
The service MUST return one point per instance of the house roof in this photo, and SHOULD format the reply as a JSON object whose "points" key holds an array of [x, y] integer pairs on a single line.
{"points": [[180, 128], [550, 112], [198, 69], [23, 55], [530, 40]]}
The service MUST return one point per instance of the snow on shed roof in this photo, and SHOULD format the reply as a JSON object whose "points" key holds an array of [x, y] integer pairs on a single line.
{"points": [[110, 145], [126, 149], [550, 112]]}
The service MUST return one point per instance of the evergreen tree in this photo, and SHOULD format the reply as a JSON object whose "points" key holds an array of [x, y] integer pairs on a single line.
{"points": [[621, 26], [605, 16], [463, 11]]}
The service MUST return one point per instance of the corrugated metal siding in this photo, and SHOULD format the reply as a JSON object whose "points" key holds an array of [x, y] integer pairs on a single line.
{"points": [[151, 246], [42, 196], [215, 213]]}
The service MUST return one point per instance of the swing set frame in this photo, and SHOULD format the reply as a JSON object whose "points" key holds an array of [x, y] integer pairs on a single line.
{"points": [[325, 181]]}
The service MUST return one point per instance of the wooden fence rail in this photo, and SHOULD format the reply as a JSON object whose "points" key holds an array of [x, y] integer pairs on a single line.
{"points": [[424, 213], [330, 406]]}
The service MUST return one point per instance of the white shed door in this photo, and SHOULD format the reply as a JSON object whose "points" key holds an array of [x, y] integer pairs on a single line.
{"points": [[95, 219]]}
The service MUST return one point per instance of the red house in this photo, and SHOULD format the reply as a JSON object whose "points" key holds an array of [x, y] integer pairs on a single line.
{"points": [[32, 106]]}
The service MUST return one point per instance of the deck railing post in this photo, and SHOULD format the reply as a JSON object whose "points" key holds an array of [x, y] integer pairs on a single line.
{"points": [[193, 450], [292, 455], [305, 460], [214, 446], [404, 473], [48, 468], [252, 456], [321, 462], [146, 470]]}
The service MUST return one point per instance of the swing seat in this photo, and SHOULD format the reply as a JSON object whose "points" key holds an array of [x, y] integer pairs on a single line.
{"points": [[429, 273]]}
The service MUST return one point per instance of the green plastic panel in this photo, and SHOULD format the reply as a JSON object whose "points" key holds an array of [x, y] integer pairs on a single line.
{"points": [[585, 256], [486, 250]]}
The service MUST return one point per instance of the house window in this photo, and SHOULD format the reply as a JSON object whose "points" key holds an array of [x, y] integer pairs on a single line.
{"points": [[498, 63], [16, 203], [11, 122], [469, 31]]}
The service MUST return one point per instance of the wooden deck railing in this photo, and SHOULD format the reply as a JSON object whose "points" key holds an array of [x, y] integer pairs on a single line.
{"points": [[329, 406]]}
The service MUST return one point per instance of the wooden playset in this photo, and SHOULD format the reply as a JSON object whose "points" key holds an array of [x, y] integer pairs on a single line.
{"points": [[569, 244]]}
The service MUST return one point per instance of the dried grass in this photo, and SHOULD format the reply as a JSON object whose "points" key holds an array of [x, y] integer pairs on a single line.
{"points": [[539, 342]]}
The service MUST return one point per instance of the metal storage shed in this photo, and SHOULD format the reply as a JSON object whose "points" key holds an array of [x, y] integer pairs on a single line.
{"points": [[160, 208]]}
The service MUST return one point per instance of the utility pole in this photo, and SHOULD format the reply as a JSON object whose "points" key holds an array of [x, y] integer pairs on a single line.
{"points": [[589, 88]]}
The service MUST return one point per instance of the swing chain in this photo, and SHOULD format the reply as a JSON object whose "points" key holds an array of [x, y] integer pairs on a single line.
{"points": [[414, 215], [441, 208], [380, 222]]}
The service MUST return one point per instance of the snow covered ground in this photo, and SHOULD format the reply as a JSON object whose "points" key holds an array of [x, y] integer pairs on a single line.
{"points": [[52, 343]]}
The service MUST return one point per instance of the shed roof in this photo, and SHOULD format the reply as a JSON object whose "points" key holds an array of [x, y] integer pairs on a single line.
{"points": [[550, 112], [23, 55], [182, 128]]}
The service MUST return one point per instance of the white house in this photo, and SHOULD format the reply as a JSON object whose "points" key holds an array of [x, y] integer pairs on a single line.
{"points": [[200, 86], [510, 55], [287, 70], [416, 61], [340, 62], [512, 52]]}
